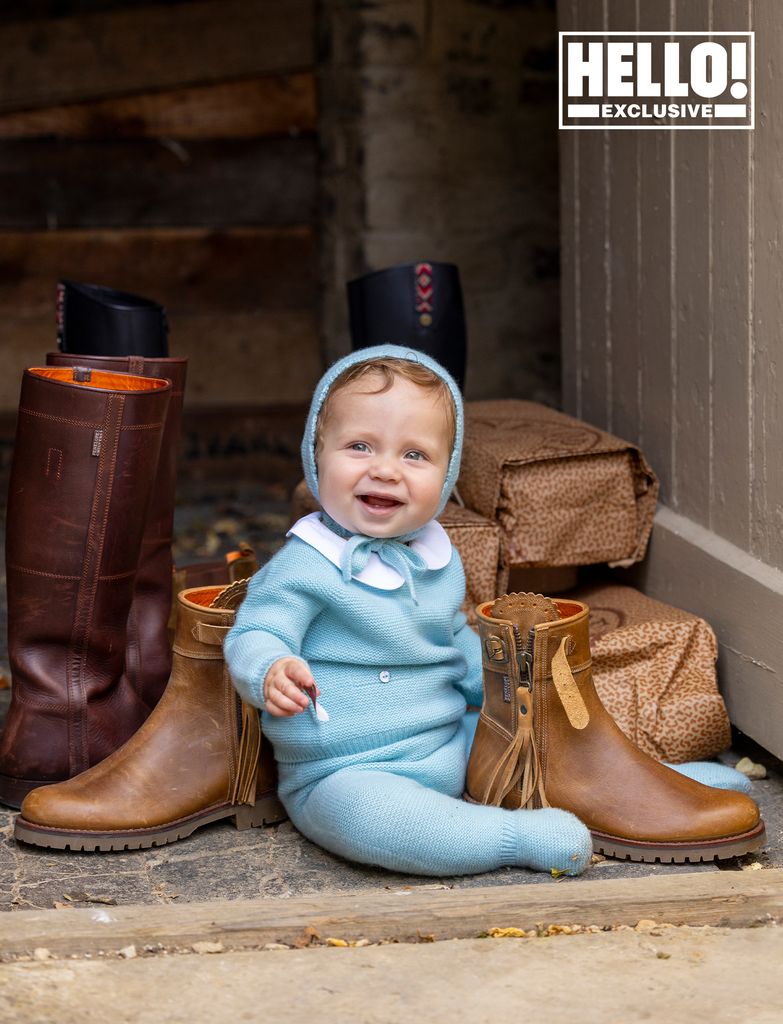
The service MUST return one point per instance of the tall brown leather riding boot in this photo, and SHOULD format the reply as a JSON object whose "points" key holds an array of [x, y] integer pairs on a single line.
{"points": [[84, 464], [148, 650], [545, 739], [198, 757]]}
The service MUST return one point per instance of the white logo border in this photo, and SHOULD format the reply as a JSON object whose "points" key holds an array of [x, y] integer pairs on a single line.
{"points": [[657, 127]]}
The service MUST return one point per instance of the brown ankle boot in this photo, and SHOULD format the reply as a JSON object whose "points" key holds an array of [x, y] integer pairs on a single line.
{"points": [[87, 445], [544, 739], [199, 756], [148, 649]]}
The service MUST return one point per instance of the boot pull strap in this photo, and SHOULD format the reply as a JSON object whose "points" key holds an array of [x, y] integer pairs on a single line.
{"points": [[565, 684], [209, 633]]}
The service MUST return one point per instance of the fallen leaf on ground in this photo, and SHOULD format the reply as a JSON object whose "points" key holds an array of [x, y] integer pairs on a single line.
{"points": [[85, 897], [207, 947], [751, 768], [336, 942], [161, 894], [506, 933], [227, 525], [308, 936]]}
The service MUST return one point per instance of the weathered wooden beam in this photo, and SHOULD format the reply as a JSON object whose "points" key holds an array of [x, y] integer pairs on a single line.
{"points": [[715, 898], [188, 270], [272, 105], [50, 184], [234, 358], [62, 60]]}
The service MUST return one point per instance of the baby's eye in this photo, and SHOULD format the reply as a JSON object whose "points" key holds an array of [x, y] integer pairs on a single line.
{"points": [[359, 446], [416, 455]]}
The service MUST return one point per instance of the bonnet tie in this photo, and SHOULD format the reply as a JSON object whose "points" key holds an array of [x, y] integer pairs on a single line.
{"points": [[391, 550]]}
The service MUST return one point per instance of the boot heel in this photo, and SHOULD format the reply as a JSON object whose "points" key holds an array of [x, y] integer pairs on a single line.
{"points": [[266, 811]]}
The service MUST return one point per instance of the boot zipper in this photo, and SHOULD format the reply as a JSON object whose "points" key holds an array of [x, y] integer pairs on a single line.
{"points": [[524, 656]]}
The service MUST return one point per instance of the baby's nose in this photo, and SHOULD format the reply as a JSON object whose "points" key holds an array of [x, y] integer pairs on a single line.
{"points": [[384, 468]]}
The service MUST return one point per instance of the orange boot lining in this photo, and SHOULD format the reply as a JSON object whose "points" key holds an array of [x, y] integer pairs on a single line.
{"points": [[100, 379], [202, 595], [566, 608]]}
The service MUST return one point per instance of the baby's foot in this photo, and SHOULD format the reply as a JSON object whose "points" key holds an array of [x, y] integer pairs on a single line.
{"points": [[711, 773], [552, 840]]}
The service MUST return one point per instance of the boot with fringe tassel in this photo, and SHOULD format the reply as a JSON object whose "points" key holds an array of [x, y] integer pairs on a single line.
{"points": [[199, 757], [545, 740]]}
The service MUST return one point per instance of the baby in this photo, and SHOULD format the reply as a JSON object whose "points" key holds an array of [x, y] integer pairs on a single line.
{"points": [[361, 608]]}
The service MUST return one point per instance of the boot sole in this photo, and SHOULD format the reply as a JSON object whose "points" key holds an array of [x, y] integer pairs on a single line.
{"points": [[679, 853], [266, 811]]}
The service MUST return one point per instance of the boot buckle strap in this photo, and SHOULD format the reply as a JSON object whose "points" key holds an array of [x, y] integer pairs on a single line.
{"points": [[209, 633]]}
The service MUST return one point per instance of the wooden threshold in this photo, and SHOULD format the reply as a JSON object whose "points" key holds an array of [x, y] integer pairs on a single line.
{"points": [[721, 898]]}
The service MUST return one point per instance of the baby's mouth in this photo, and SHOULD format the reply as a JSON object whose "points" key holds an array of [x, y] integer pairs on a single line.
{"points": [[379, 501]]}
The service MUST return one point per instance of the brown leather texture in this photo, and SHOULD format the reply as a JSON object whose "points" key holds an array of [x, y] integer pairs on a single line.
{"points": [[563, 492], [524, 610], [654, 670], [479, 541], [81, 481], [596, 772], [184, 759], [500, 711], [148, 651]]}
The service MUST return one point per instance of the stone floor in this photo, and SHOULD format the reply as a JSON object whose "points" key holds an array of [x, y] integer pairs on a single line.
{"points": [[219, 862]]}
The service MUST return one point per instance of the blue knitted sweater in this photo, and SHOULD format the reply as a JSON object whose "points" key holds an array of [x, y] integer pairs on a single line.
{"points": [[388, 669]]}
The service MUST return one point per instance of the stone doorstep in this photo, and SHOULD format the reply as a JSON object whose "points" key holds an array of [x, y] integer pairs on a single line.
{"points": [[730, 899]]}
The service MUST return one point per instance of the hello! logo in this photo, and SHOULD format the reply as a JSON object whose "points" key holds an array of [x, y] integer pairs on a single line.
{"points": [[662, 80]]}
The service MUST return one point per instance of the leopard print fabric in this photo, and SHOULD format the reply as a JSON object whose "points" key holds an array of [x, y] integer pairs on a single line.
{"points": [[564, 493], [654, 670]]}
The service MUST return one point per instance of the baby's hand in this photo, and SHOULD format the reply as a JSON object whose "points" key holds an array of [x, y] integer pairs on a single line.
{"points": [[283, 687]]}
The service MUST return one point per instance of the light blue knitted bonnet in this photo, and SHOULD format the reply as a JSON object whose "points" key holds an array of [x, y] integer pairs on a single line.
{"points": [[362, 355]]}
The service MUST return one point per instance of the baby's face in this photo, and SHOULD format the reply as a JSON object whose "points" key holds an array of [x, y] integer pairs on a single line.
{"points": [[383, 458]]}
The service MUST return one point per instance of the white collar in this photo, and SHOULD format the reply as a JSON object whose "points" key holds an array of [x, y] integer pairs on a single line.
{"points": [[432, 544]]}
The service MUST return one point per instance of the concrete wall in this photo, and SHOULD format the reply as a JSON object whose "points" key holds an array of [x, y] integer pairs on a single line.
{"points": [[439, 141]]}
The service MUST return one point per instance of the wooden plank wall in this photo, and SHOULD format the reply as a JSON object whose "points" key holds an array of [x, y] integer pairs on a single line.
{"points": [[672, 259], [672, 303], [168, 149]]}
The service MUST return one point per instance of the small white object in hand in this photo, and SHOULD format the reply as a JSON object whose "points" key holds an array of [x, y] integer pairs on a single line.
{"points": [[320, 712]]}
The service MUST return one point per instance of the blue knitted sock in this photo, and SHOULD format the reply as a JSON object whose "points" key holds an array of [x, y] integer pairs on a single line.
{"points": [[550, 839], [711, 773]]}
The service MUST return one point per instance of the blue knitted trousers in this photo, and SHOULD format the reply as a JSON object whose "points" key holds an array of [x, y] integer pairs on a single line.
{"points": [[408, 816]]}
